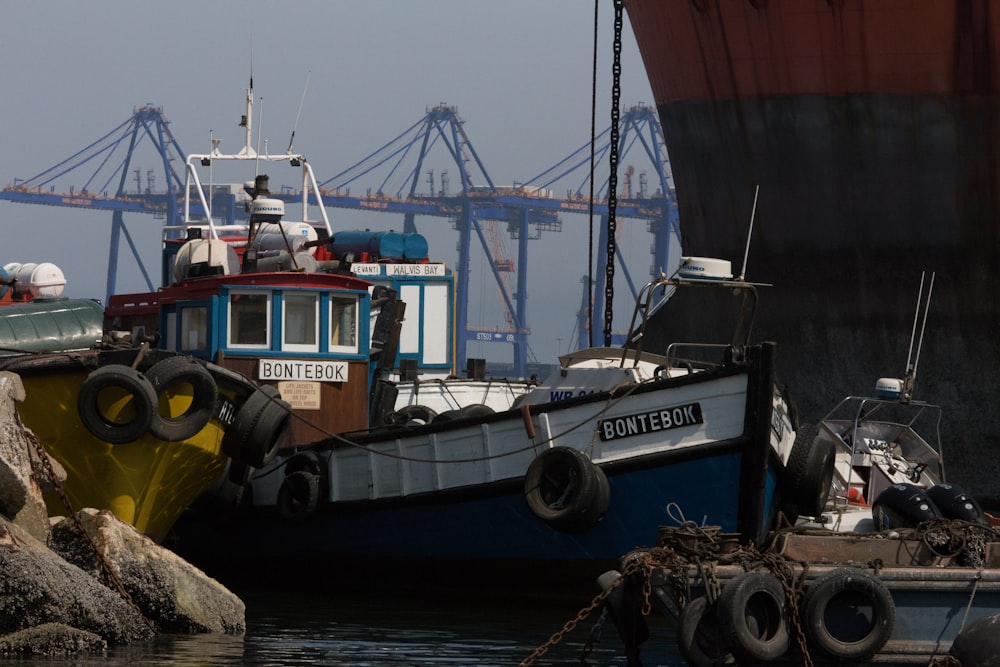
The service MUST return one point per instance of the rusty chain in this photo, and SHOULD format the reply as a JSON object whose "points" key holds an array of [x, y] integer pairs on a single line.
{"points": [[41, 459], [637, 562]]}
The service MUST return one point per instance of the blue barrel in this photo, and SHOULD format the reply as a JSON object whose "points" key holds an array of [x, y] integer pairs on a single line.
{"points": [[378, 245], [50, 324], [414, 246]]}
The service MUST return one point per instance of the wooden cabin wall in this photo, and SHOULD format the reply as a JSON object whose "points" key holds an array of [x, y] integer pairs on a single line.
{"points": [[343, 405]]}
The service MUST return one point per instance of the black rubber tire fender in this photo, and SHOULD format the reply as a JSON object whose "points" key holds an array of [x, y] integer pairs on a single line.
{"points": [[135, 389], [298, 496], [808, 473], [412, 413], [305, 460], [566, 490], [165, 376], [698, 637], [256, 430], [753, 617], [857, 588], [475, 410]]}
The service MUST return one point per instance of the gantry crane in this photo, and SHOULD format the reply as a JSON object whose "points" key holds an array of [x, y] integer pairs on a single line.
{"points": [[479, 210]]}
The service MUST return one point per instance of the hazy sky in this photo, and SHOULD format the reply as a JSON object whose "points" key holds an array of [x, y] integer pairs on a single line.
{"points": [[519, 72]]}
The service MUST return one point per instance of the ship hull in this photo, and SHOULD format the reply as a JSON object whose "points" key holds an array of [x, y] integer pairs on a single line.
{"points": [[870, 130]]}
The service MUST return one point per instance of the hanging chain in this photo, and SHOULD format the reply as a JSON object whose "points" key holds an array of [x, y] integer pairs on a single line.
{"points": [[616, 91], [43, 470]]}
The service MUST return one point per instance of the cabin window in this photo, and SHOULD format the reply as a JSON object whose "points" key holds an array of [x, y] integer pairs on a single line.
{"points": [[343, 324], [249, 319], [194, 328], [300, 322]]}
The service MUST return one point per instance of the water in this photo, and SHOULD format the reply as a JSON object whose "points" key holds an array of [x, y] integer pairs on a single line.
{"points": [[299, 628]]}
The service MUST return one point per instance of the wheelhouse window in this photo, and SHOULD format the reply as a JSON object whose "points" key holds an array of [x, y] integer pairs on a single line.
{"points": [[300, 321], [249, 319], [343, 324], [194, 328]]}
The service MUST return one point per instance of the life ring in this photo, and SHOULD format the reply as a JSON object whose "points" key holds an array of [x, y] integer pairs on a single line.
{"points": [[753, 617], [566, 490], [116, 404], [298, 496], [698, 637], [184, 377], [830, 614], [412, 414], [808, 474], [257, 428]]}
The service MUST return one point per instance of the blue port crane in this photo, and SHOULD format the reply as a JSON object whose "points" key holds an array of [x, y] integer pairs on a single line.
{"points": [[475, 211], [110, 159], [639, 131], [479, 210]]}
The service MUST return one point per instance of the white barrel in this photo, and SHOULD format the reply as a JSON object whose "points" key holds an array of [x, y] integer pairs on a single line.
{"points": [[283, 262], [209, 253], [46, 279], [269, 236]]}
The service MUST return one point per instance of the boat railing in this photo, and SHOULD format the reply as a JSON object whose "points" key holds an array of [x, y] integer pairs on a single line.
{"points": [[887, 427], [723, 354], [193, 184], [654, 293]]}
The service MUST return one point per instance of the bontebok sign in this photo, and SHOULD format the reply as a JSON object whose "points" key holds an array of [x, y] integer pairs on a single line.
{"points": [[650, 422], [299, 369]]}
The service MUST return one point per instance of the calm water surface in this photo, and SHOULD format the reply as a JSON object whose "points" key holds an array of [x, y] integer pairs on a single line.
{"points": [[314, 629]]}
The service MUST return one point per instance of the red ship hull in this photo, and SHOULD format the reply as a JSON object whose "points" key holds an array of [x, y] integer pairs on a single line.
{"points": [[872, 130]]}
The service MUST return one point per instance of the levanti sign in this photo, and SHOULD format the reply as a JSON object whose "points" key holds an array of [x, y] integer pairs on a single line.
{"points": [[641, 423]]}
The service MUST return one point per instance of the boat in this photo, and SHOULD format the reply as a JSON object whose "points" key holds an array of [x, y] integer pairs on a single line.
{"points": [[888, 563], [807, 598], [880, 457], [548, 491], [863, 126], [138, 430]]}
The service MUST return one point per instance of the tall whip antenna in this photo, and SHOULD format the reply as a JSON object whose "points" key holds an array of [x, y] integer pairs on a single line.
{"points": [[912, 360], [291, 139], [753, 213]]}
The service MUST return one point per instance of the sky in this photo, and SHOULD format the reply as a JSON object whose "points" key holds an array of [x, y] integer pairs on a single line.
{"points": [[354, 74]]}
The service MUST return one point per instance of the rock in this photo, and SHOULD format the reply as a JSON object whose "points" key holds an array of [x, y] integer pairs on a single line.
{"points": [[979, 643], [20, 495], [51, 639], [171, 592], [38, 587]]}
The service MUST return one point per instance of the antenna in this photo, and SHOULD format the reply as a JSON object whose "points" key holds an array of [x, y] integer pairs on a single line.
{"points": [[753, 213], [260, 131], [291, 139], [911, 368]]}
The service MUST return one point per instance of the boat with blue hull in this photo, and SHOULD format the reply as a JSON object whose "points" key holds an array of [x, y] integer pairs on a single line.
{"points": [[345, 332], [580, 469]]}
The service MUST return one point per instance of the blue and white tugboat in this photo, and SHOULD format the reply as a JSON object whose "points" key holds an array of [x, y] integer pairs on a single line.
{"points": [[554, 489]]}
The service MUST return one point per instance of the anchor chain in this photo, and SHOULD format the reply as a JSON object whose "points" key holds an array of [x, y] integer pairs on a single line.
{"points": [[639, 562], [41, 459], [616, 90]]}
